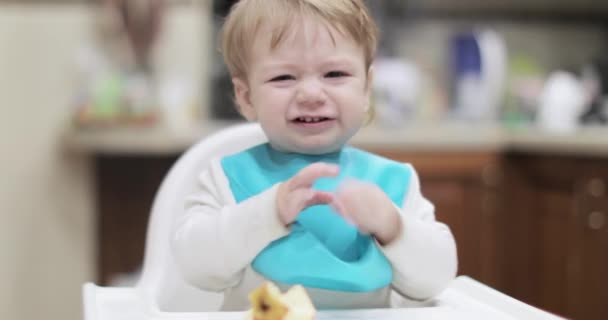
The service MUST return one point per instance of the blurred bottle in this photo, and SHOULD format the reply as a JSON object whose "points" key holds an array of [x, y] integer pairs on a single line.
{"points": [[494, 66], [478, 75], [466, 76]]}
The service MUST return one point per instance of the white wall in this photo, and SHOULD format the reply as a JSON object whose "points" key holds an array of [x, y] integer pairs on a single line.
{"points": [[46, 205], [47, 218]]}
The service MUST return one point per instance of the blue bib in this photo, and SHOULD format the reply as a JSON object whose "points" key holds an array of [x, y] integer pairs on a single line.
{"points": [[322, 250]]}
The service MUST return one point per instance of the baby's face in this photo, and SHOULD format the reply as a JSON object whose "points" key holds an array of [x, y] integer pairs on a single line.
{"points": [[310, 94]]}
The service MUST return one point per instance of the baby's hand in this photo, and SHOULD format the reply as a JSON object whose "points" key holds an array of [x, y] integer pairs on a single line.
{"points": [[297, 194], [369, 208]]}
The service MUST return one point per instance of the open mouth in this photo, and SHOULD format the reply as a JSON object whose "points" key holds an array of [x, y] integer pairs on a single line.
{"points": [[310, 119]]}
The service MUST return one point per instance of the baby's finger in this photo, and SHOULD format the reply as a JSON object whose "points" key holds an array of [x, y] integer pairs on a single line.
{"points": [[304, 198], [350, 194], [320, 197], [339, 208], [307, 176]]}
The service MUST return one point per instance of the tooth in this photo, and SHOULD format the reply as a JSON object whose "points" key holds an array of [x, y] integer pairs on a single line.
{"points": [[308, 119]]}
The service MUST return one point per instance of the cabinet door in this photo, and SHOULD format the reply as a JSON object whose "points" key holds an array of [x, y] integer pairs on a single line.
{"points": [[540, 234], [125, 189], [558, 235], [487, 199], [552, 250], [589, 264]]}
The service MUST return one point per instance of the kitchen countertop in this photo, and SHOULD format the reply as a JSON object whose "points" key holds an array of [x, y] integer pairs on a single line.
{"points": [[431, 137]]}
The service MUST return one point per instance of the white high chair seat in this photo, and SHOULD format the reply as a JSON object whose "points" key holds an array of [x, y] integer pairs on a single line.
{"points": [[161, 293]]}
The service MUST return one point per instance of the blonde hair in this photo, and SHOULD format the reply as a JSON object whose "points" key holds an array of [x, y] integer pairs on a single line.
{"points": [[350, 17]]}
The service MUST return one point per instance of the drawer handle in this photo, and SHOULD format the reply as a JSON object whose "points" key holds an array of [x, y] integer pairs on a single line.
{"points": [[596, 220]]}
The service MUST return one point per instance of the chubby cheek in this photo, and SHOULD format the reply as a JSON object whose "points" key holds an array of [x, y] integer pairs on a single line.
{"points": [[271, 100], [273, 114], [354, 96], [354, 111]]}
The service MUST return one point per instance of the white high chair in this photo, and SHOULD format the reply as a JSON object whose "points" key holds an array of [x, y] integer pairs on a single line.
{"points": [[161, 293]]}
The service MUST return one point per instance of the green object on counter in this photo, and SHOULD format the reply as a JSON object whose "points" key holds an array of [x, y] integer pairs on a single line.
{"points": [[526, 76], [515, 120], [108, 94]]}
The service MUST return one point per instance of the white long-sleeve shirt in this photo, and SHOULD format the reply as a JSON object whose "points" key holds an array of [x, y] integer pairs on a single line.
{"points": [[216, 240]]}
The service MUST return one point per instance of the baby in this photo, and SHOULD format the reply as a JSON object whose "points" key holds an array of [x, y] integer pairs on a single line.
{"points": [[306, 208]]}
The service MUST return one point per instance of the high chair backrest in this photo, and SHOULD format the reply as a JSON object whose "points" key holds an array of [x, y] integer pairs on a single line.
{"points": [[161, 285]]}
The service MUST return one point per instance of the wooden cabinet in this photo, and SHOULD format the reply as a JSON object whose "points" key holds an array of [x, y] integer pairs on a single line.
{"points": [[126, 186], [588, 260], [557, 234]]}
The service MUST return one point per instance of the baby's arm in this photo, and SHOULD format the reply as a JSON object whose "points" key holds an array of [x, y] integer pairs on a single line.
{"points": [[421, 250], [424, 255], [217, 239]]}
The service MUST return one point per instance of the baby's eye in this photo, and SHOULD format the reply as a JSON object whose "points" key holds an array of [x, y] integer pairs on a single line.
{"points": [[283, 77], [336, 74]]}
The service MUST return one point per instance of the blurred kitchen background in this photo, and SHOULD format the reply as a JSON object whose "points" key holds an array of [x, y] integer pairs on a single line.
{"points": [[501, 105]]}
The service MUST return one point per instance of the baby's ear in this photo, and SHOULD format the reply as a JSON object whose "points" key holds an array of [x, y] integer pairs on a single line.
{"points": [[243, 99]]}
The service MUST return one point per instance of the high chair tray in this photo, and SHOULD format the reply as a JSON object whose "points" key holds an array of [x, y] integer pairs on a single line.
{"points": [[465, 299]]}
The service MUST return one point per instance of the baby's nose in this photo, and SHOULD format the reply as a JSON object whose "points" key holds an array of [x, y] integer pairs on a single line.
{"points": [[310, 92]]}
